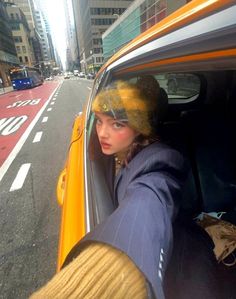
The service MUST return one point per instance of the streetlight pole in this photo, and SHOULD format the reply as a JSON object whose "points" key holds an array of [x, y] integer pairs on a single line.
{"points": [[91, 52]]}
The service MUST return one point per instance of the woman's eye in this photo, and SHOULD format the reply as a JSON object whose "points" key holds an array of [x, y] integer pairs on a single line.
{"points": [[117, 125], [98, 121]]}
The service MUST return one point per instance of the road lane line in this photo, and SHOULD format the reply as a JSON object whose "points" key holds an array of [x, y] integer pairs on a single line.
{"points": [[52, 103], [20, 177], [89, 88], [20, 143], [37, 137], [18, 95], [45, 119], [49, 109]]}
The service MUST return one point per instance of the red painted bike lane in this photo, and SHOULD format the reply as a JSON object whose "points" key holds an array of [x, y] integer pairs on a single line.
{"points": [[17, 111]]}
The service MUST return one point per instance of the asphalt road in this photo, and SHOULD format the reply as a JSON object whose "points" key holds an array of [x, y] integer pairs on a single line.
{"points": [[30, 216]]}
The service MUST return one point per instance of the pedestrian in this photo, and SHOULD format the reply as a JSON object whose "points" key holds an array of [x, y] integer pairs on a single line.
{"points": [[126, 255], [1, 84]]}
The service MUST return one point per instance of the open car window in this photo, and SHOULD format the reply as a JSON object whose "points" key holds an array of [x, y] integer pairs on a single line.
{"points": [[100, 167]]}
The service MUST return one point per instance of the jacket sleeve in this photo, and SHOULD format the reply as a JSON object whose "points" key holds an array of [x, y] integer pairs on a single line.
{"points": [[141, 226]]}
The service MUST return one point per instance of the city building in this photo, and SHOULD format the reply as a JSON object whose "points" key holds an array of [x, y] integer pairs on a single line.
{"points": [[72, 54], [28, 9], [41, 28], [21, 35], [92, 18], [140, 16], [8, 56], [42, 7]]}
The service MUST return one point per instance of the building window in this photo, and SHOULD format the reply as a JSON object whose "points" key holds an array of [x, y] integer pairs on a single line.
{"points": [[20, 58], [12, 16], [152, 11], [97, 41], [99, 59], [24, 49], [17, 16], [102, 21], [17, 39], [106, 11], [97, 50], [18, 50], [15, 26], [26, 59]]}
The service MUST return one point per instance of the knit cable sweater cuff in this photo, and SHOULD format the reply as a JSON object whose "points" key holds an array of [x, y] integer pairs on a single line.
{"points": [[100, 271]]}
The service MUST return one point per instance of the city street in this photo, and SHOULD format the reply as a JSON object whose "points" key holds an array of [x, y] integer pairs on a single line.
{"points": [[35, 131]]}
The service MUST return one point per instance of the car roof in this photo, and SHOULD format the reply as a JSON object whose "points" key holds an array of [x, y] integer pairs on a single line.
{"points": [[198, 27]]}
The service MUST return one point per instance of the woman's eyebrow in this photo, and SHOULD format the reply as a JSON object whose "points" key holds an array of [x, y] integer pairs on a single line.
{"points": [[96, 116]]}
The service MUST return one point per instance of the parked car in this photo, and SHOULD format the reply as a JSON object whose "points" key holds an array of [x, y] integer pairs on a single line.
{"points": [[49, 78], [90, 76], [82, 75], [193, 51], [66, 76], [76, 73]]}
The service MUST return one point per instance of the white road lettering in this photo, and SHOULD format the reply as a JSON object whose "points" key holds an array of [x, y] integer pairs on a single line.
{"points": [[37, 137], [13, 125], [5, 121], [24, 103], [20, 177], [35, 102], [20, 143]]}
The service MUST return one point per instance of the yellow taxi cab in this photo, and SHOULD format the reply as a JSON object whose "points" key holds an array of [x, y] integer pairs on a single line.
{"points": [[192, 54]]}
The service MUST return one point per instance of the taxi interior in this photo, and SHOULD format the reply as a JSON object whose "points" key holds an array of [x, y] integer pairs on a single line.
{"points": [[198, 119]]}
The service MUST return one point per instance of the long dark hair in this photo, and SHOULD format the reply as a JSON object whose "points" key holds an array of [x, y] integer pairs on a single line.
{"points": [[139, 144]]}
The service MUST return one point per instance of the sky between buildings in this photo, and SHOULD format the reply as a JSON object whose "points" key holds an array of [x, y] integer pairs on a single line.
{"points": [[54, 11]]}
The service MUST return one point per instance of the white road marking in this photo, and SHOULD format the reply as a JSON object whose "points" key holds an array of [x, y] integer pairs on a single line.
{"points": [[89, 88], [37, 137], [18, 95], [49, 109], [20, 177], [52, 103], [20, 143], [54, 99], [45, 119]]}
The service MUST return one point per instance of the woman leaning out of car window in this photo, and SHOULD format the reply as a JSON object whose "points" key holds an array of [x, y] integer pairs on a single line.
{"points": [[126, 255]]}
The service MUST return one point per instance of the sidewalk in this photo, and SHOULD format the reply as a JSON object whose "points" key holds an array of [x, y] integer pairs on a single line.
{"points": [[6, 89]]}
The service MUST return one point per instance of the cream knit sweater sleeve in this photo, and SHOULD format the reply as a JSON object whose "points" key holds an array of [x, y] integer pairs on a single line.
{"points": [[100, 271]]}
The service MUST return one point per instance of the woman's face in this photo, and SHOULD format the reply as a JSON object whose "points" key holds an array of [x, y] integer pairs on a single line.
{"points": [[114, 136]]}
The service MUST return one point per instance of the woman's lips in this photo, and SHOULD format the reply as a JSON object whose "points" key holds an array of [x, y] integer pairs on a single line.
{"points": [[105, 145]]}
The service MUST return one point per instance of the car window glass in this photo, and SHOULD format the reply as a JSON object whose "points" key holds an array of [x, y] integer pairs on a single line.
{"points": [[181, 87]]}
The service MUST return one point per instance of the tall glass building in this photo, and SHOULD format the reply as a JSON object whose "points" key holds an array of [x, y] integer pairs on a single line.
{"points": [[140, 16]]}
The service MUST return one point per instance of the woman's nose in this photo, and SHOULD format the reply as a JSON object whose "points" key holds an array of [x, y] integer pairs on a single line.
{"points": [[103, 131]]}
